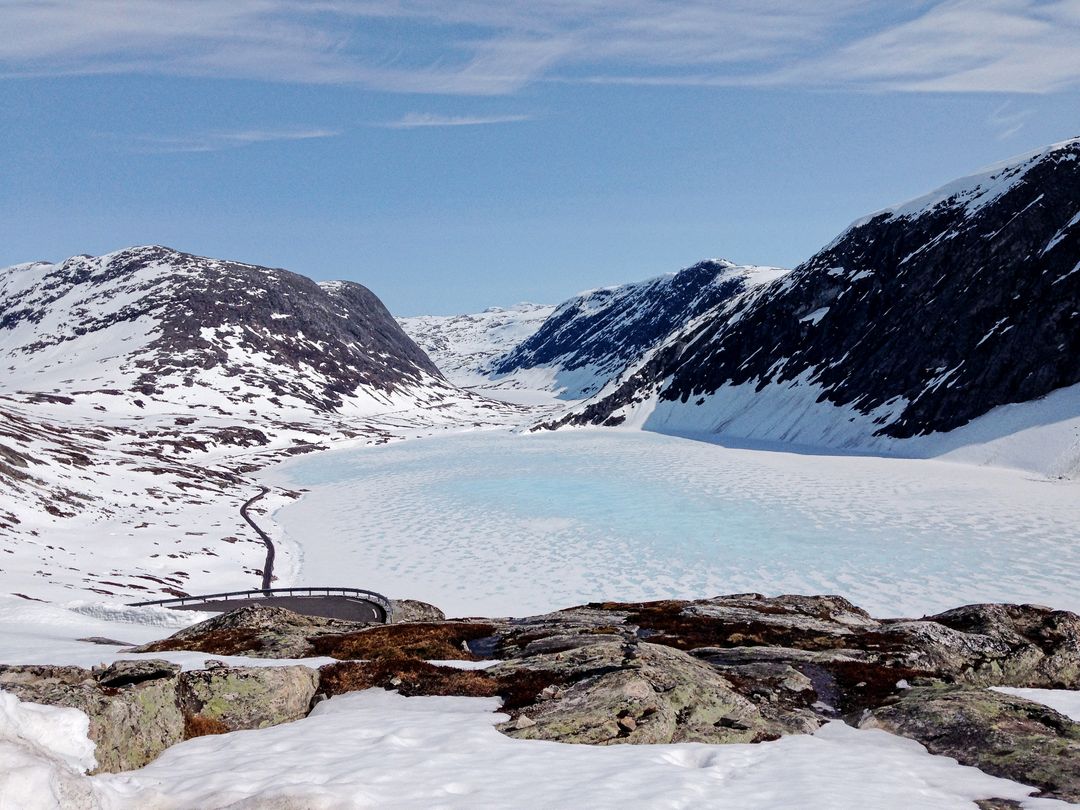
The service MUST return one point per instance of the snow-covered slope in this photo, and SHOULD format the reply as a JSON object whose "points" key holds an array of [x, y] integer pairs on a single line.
{"points": [[464, 346], [139, 387], [916, 320], [592, 337], [174, 328]]}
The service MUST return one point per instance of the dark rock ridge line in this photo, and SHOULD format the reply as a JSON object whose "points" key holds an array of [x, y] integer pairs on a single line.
{"points": [[733, 669], [605, 330], [920, 318]]}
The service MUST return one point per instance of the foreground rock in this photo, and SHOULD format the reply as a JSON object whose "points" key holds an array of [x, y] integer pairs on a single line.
{"points": [[999, 734], [611, 692], [221, 698], [256, 631], [137, 709], [741, 668], [132, 705]]}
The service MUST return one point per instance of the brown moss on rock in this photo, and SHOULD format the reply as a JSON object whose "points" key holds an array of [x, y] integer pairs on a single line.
{"points": [[443, 641]]}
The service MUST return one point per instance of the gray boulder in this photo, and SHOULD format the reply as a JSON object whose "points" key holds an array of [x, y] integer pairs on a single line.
{"points": [[999, 734], [413, 610], [132, 705], [221, 698]]}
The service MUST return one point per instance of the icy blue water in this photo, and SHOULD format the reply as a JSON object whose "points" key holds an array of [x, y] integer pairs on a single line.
{"points": [[491, 522]]}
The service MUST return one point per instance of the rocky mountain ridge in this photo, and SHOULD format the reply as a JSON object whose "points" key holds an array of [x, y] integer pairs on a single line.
{"points": [[592, 337], [916, 320], [174, 328]]}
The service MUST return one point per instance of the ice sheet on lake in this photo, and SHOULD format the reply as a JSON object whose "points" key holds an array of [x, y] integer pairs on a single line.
{"points": [[500, 524]]}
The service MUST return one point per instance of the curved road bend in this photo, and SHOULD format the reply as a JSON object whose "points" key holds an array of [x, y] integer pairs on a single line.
{"points": [[350, 608], [268, 566], [335, 607]]}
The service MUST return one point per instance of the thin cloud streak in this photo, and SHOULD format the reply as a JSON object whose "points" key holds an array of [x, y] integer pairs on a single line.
{"points": [[1008, 120], [418, 120], [219, 141]]}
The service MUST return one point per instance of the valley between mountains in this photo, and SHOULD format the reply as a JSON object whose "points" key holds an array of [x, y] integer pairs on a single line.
{"points": [[896, 421]]}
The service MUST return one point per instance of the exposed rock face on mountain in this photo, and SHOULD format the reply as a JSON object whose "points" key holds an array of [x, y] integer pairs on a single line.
{"points": [[592, 337], [168, 325], [916, 319]]}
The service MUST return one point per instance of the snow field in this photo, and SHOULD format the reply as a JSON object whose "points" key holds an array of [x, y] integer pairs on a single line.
{"points": [[504, 524]]}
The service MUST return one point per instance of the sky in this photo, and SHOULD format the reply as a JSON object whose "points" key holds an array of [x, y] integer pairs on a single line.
{"points": [[458, 155]]}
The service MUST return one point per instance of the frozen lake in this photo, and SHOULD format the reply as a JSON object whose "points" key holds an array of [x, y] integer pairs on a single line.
{"points": [[491, 523]]}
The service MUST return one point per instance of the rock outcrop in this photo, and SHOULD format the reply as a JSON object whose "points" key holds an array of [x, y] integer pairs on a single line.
{"points": [[999, 734], [221, 698], [741, 668], [256, 631], [132, 705], [413, 610]]}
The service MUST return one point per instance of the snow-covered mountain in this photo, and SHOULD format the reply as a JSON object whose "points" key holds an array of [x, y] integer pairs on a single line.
{"points": [[464, 346], [592, 337], [161, 328], [916, 320], [139, 387]]}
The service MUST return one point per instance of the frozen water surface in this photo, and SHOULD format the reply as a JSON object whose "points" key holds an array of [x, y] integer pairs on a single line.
{"points": [[499, 524]]}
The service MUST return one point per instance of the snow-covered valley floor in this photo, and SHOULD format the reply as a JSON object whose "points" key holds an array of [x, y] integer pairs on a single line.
{"points": [[496, 523], [492, 522]]}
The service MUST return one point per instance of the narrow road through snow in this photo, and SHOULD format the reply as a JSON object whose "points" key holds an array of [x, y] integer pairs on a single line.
{"points": [[268, 566]]}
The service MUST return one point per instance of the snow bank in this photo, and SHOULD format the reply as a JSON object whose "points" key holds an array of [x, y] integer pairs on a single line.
{"points": [[43, 751], [378, 749]]}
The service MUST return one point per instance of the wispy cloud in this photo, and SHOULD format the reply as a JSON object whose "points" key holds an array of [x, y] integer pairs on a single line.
{"points": [[218, 141], [1017, 46], [483, 47], [1007, 120], [417, 120]]}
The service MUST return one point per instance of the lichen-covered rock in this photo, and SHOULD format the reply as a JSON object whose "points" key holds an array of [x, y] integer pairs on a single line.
{"points": [[132, 705], [413, 610], [223, 698], [612, 692], [999, 734], [254, 630], [1043, 644]]}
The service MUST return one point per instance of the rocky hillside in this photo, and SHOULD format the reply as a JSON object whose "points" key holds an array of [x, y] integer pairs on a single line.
{"points": [[139, 387], [916, 319], [594, 336], [168, 327]]}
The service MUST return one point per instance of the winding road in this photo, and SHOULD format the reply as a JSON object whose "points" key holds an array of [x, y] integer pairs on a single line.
{"points": [[268, 566], [352, 604]]}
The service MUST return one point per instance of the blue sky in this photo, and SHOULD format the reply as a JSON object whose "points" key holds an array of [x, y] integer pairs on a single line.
{"points": [[454, 156]]}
